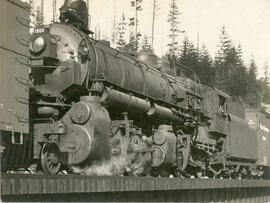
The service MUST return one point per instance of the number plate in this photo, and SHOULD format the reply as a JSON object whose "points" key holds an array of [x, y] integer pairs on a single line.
{"points": [[38, 62]]}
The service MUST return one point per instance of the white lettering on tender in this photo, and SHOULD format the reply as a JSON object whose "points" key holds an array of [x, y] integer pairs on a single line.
{"points": [[264, 128], [251, 122]]}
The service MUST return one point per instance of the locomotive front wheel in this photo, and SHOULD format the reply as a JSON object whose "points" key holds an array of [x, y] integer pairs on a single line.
{"points": [[50, 159]]}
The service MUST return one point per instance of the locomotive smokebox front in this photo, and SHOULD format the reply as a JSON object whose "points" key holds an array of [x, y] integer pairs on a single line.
{"points": [[87, 137]]}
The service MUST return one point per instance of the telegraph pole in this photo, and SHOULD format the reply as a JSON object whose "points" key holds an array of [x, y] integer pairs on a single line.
{"points": [[153, 24], [136, 16], [54, 10]]}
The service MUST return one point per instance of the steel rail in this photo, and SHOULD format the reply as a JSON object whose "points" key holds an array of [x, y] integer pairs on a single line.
{"points": [[19, 184]]}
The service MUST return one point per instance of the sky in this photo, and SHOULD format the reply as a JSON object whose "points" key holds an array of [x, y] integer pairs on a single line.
{"points": [[247, 23]]}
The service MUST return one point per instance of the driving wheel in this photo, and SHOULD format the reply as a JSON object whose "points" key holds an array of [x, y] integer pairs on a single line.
{"points": [[49, 159]]}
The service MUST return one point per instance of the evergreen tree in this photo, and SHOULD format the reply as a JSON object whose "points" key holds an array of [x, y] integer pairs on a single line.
{"points": [[114, 30], [230, 71], [253, 93], [266, 71], [265, 84], [174, 29], [188, 57], [134, 22], [131, 45], [221, 60], [146, 47], [224, 46], [237, 78], [121, 30], [200, 63], [205, 70], [239, 56]]}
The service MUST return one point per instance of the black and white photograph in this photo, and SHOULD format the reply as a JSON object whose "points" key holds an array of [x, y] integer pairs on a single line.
{"points": [[135, 100]]}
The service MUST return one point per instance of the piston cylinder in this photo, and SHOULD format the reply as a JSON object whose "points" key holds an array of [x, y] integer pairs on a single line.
{"points": [[163, 114], [130, 103], [114, 98], [88, 131]]}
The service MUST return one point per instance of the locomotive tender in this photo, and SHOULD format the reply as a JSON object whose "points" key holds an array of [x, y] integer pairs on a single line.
{"points": [[97, 110]]}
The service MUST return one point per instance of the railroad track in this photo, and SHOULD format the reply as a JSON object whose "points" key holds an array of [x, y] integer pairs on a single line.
{"points": [[133, 188]]}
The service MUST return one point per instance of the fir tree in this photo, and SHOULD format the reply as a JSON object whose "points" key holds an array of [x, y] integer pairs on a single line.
{"points": [[266, 71], [230, 71], [121, 30], [239, 55], [188, 57], [114, 30], [237, 78], [174, 29], [222, 58], [224, 46], [237, 83], [134, 22], [146, 47], [205, 70], [253, 93], [130, 47], [265, 89]]}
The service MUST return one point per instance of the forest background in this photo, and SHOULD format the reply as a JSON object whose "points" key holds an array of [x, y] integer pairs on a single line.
{"points": [[226, 70]]}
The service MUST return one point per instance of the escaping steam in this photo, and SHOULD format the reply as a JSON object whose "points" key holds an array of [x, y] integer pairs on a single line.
{"points": [[113, 166]]}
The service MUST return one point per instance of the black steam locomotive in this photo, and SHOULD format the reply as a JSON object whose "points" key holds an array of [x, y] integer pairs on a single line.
{"points": [[97, 110]]}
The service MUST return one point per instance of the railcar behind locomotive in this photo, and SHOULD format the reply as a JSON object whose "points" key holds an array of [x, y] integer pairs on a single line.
{"points": [[97, 110]]}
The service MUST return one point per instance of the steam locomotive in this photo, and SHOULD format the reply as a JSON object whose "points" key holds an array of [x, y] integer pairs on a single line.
{"points": [[97, 110]]}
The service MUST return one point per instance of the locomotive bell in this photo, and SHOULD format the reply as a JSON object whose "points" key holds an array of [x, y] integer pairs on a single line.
{"points": [[148, 58]]}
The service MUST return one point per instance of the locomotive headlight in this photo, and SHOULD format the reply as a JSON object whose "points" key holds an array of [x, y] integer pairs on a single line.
{"points": [[37, 44]]}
